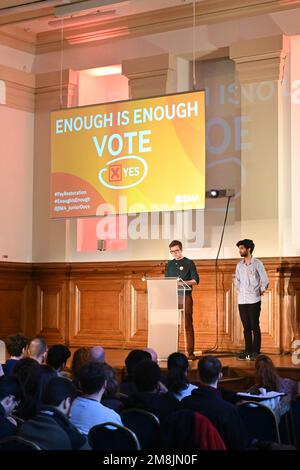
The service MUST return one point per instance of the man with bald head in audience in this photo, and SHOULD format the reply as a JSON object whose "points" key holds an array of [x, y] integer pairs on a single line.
{"points": [[38, 349]]}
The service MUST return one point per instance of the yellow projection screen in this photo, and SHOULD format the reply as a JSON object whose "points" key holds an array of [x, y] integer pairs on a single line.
{"points": [[128, 157]]}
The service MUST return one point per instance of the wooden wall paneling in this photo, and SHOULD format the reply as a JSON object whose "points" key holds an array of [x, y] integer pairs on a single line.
{"points": [[50, 292], [29, 309], [270, 318], [15, 299], [12, 307], [226, 295], [294, 304], [97, 312], [106, 303], [138, 314], [238, 333], [289, 304], [51, 310], [286, 328], [204, 316]]}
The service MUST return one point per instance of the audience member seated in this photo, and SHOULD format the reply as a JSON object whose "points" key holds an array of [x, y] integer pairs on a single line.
{"points": [[51, 428], [47, 373], [87, 411], [57, 357], [177, 378], [110, 396], [37, 349], [127, 386], [10, 396], [28, 372], [189, 430], [150, 396], [80, 357], [16, 346], [97, 354], [208, 401], [267, 377]]}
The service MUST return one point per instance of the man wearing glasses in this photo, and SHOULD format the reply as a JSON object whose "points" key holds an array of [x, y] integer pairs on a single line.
{"points": [[184, 268]]}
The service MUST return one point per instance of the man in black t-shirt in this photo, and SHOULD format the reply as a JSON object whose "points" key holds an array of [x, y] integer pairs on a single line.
{"points": [[184, 268]]}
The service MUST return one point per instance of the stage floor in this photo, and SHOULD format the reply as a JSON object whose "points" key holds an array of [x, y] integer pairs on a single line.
{"points": [[116, 358], [232, 366], [280, 361]]}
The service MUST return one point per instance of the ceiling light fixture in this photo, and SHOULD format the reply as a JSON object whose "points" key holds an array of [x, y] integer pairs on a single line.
{"points": [[97, 15], [73, 8]]}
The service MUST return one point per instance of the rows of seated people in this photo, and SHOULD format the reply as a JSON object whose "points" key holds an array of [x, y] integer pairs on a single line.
{"points": [[57, 409]]}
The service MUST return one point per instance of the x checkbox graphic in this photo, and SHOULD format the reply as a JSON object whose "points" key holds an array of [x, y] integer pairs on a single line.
{"points": [[115, 173]]}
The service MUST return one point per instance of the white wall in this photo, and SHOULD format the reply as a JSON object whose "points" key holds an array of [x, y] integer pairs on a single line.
{"points": [[15, 59], [16, 184], [295, 141], [223, 164], [49, 236], [92, 90]]}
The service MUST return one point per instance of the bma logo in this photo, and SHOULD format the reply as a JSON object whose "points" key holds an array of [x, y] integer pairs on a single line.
{"points": [[131, 172]]}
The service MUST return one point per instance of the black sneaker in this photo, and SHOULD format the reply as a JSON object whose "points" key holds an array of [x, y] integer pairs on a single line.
{"points": [[254, 356], [243, 356]]}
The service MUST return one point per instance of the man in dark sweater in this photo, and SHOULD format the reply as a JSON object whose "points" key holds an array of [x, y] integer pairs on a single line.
{"points": [[207, 399], [10, 396], [16, 346], [51, 428], [184, 268], [151, 395]]}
